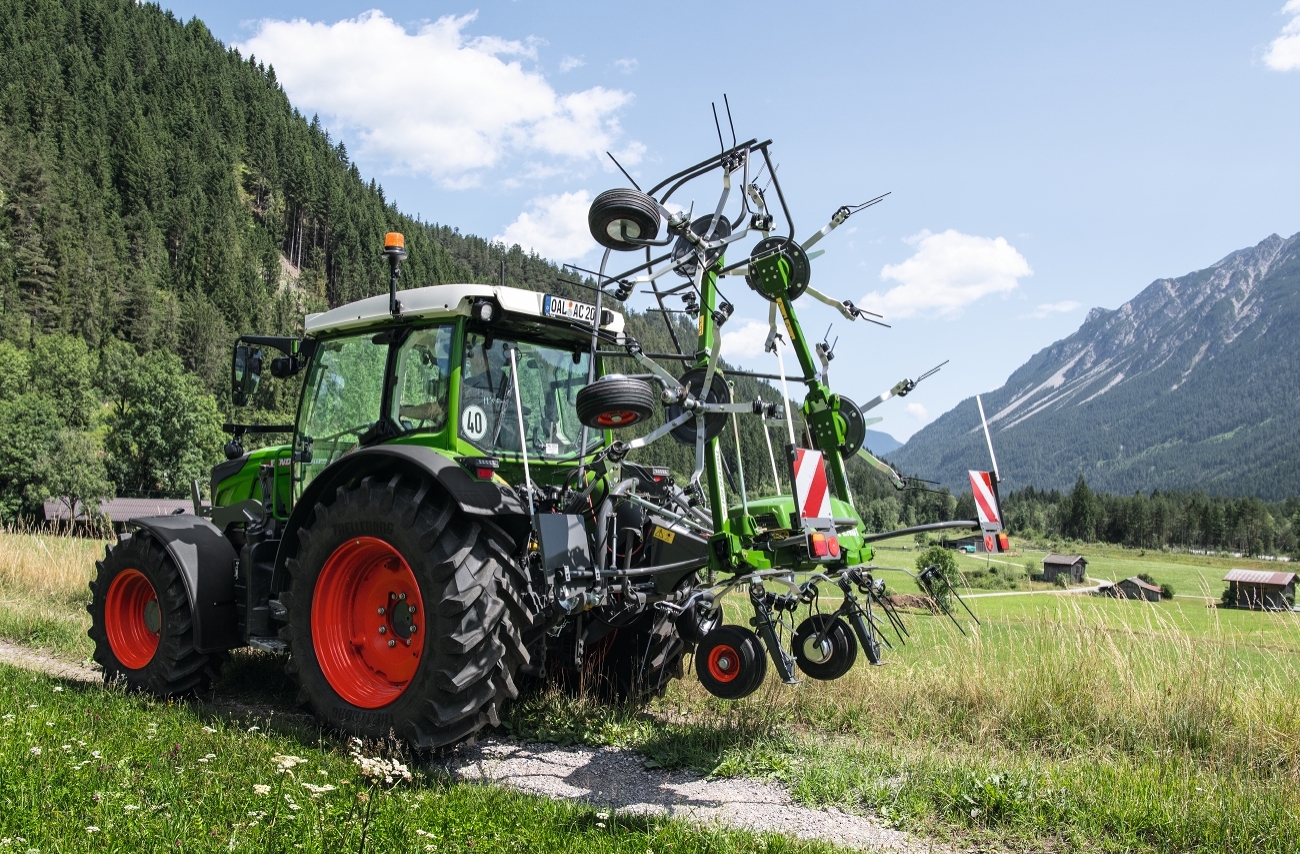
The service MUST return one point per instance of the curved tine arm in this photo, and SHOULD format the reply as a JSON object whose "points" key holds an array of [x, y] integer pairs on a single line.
{"points": [[769, 346], [884, 468], [722, 203], [837, 219], [655, 435], [671, 383], [701, 168], [831, 301], [699, 447], [776, 182]]}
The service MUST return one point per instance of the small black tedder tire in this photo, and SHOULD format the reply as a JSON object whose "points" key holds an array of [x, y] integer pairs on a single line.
{"points": [[698, 618], [141, 623], [615, 401], [731, 662], [643, 658], [392, 561], [837, 653], [616, 215]]}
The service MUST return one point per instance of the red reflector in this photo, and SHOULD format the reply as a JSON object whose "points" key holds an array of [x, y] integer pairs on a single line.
{"points": [[1004, 544], [834, 544], [819, 546], [485, 473]]}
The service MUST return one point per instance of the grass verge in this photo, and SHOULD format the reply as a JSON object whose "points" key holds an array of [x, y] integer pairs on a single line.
{"points": [[87, 768]]}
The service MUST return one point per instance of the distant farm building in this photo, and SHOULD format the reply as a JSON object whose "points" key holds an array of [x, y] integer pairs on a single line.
{"points": [[1257, 590], [1130, 588], [974, 542], [118, 511], [1075, 567]]}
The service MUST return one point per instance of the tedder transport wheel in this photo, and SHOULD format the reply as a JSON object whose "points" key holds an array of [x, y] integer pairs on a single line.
{"points": [[614, 401], [140, 621], [731, 662], [831, 658], [405, 614]]}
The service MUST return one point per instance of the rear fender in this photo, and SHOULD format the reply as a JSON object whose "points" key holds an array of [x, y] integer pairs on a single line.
{"points": [[207, 563], [482, 499]]}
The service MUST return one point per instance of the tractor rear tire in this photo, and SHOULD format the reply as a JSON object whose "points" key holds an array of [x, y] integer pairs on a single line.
{"points": [[141, 622], [406, 615]]}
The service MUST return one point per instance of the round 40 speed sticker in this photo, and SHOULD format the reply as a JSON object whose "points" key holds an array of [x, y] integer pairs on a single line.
{"points": [[473, 422]]}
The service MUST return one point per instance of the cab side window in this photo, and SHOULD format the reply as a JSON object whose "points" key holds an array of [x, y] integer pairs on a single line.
{"points": [[423, 378]]}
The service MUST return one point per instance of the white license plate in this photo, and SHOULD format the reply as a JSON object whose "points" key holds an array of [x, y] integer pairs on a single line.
{"points": [[568, 309]]}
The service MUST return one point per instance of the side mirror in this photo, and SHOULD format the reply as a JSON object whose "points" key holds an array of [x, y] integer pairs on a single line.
{"points": [[245, 374]]}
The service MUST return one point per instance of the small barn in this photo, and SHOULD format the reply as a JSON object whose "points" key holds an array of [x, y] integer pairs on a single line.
{"points": [[1259, 590], [119, 511], [1130, 588], [961, 544], [1073, 566]]}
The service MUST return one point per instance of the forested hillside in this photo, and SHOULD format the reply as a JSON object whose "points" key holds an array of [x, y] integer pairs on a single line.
{"points": [[159, 196], [1194, 384]]}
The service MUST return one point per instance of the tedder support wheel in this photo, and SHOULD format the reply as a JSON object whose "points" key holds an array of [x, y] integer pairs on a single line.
{"points": [[405, 615], [141, 623], [731, 662], [615, 401], [830, 658], [619, 216]]}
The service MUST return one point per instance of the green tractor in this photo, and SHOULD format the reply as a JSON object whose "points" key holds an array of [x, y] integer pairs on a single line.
{"points": [[456, 513]]}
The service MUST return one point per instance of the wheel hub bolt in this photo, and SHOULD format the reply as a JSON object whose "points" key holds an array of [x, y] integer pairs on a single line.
{"points": [[401, 595], [381, 612], [392, 642], [408, 641], [724, 663], [383, 630], [414, 628]]}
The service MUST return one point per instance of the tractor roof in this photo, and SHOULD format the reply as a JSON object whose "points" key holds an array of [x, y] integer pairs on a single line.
{"points": [[437, 301]]}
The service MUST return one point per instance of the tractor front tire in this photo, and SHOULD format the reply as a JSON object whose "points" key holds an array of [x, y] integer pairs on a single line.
{"points": [[405, 615], [141, 622]]}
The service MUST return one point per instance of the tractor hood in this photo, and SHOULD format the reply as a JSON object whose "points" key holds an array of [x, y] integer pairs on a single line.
{"points": [[438, 301]]}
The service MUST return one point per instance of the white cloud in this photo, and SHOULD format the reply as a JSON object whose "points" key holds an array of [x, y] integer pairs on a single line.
{"points": [[1284, 51], [917, 411], [554, 227], [569, 63], [627, 66], [948, 272], [436, 101], [743, 340], [1046, 308]]}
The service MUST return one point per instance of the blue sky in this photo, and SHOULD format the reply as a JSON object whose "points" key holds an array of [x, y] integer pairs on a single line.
{"points": [[1042, 158]]}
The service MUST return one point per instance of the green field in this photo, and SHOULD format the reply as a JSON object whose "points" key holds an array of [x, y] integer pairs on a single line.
{"points": [[1064, 720]]}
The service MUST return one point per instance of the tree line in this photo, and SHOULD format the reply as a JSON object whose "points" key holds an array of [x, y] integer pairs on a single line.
{"points": [[1184, 521]]}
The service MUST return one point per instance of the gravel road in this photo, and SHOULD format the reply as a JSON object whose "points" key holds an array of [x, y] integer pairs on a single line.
{"points": [[616, 779]]}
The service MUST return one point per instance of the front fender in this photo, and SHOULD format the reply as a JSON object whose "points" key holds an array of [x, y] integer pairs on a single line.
{"points": [[207, 563], [475, 497]]}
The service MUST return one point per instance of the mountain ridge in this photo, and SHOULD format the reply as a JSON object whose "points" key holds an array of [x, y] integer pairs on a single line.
{"points": [[1187, 385]]}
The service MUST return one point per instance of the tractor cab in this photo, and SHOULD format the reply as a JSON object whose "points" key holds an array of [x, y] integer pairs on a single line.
{"points": [[444, 374]]}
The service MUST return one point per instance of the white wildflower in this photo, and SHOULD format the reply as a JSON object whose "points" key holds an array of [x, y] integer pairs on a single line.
{"points": [[261, 789], [130, 808], [92, 829], [602, 815], [96, 754], [286, 764], [58, 688], [254, 728], [208, 729], [317, 791], [35, 751], [65, 747]]}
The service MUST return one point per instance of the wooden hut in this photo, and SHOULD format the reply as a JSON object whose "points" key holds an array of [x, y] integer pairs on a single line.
{"points": [[1130, 588], [1075, 566], [1260, 590]]}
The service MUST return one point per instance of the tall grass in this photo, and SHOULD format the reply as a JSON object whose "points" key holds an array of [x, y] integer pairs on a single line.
{"points": [[44, 589]]}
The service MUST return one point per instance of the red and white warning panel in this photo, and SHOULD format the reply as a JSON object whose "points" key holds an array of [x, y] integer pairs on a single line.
{"points": [[811, 490], [985, 490]]}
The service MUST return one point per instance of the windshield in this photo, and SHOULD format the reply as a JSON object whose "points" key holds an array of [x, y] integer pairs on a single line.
{"points": [[341, 401], [549, 380]]}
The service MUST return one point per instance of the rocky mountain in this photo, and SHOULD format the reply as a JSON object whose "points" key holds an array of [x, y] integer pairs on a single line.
{"points": [[1192, 384]]}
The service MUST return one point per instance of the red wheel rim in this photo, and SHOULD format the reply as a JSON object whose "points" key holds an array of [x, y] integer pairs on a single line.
{"points": [[617, 418], [128, 617], [724, 663], [367, 622]]}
